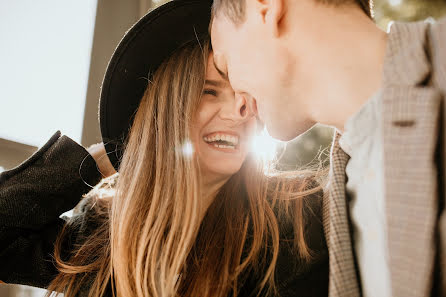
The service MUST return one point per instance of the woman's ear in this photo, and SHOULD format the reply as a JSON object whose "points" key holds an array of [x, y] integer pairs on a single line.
{"points": [[272, 13]]}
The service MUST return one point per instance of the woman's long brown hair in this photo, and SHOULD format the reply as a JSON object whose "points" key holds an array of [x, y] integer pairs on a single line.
{"points": [[148, 239]]}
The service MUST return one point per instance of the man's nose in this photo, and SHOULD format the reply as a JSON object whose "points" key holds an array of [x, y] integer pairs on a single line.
{"points": [[242, 109]]}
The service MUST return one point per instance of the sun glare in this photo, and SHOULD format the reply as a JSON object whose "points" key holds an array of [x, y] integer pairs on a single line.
{"points": [[187, 149], [264, 146]]}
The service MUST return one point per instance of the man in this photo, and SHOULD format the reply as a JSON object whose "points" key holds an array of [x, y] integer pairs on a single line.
{"points": [[301, 62]]}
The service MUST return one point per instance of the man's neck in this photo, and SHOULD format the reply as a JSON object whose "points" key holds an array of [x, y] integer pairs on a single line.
{"points": [[362, 74], [348, 62]]}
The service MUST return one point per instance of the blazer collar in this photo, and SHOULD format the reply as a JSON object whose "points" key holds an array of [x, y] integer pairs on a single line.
{"points": [[406, 61], [343, 274]]}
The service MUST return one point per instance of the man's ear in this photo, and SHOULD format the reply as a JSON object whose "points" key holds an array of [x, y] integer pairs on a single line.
{"points": [[272, 12]]}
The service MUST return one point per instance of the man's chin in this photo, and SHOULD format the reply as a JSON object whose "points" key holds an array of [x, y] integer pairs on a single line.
{"points": [[288, 133]]}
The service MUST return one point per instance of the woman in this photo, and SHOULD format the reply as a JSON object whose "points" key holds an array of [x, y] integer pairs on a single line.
{"points": [[191, 225], [201, 223]]}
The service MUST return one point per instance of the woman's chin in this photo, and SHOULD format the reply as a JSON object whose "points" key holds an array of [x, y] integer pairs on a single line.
{"points": [[223, 169], [221, 163]]}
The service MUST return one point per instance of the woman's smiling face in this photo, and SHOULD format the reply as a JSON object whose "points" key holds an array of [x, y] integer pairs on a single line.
{"points": [[223, 127]]}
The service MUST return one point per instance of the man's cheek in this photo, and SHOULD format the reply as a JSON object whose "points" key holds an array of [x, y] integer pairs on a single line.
{"points": [[260, 111]]}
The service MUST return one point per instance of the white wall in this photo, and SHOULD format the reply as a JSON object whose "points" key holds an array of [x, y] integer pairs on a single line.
{"points": [[45, 50]]}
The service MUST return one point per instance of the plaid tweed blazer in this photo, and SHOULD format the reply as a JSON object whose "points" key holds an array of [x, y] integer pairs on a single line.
{"points": [[413, 113]]}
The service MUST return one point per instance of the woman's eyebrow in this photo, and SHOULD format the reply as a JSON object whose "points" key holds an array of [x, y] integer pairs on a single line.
{"points": [[215, 83]]}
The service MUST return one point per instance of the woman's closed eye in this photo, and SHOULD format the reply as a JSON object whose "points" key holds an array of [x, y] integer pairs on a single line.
{"points": [[211, 92]]}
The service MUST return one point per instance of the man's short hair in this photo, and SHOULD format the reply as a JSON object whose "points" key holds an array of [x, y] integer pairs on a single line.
{"points": [[235, 9]]}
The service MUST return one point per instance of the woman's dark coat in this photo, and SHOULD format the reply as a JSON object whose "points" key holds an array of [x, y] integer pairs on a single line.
{"points": [[35, 194]]}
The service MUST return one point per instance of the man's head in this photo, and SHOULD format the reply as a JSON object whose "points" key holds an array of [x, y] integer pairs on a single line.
{"points": [[273, 51], [235, 9]]}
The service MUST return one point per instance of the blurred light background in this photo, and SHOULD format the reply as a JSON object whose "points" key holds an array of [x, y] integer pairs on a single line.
{"points": [[53, 56], [45, 58]]}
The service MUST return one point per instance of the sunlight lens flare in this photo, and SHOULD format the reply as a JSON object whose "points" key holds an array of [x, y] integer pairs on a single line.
{"points": [[264, 146], [187, 149]]}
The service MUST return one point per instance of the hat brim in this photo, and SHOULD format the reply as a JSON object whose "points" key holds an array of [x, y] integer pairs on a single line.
{"points": [[141, 51]]}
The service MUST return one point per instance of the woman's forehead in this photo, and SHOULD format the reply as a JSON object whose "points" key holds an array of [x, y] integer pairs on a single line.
{"points": [[213, 74]]}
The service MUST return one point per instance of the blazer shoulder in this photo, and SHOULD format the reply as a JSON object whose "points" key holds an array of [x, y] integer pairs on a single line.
{"points": [[437, 50]]}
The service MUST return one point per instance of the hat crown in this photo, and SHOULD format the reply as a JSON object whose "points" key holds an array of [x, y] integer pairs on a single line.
{"points": [[143, 48]]}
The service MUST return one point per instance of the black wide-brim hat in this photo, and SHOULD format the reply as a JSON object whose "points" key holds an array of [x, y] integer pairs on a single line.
{"points": [[141, 51]]}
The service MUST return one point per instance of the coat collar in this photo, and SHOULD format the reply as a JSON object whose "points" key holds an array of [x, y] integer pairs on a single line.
{"points": [[406, 62], [343, 275]]}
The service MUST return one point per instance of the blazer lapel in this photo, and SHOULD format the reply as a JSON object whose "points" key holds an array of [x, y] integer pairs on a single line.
{"points": [[410, 114], [342, 276]]}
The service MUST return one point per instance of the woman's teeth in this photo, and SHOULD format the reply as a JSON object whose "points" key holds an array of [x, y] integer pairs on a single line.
{"points": [[223, 146], [222, 140]]}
